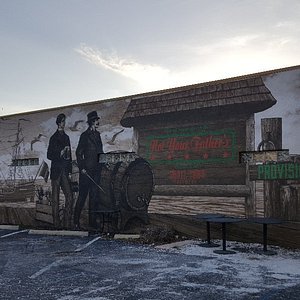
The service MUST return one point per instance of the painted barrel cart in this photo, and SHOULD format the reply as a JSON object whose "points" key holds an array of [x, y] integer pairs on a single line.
{"points": [[128, 183]]}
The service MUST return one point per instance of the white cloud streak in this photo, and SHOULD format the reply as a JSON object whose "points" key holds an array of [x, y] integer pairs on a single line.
{"points": [[223, 58], [150, 76]]}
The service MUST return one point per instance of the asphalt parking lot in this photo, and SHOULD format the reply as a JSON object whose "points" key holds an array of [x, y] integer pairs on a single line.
{"points": [[90, 267]]}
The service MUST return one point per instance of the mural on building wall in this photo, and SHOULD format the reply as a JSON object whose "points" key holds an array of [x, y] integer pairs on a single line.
{"points": [[184, 147], [59, 152], [76, 165], [52, 160], [190, 154]]}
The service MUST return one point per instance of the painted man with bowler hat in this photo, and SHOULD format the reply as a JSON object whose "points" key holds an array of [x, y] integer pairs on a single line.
{"points": [[59, 152], [87, 154]]}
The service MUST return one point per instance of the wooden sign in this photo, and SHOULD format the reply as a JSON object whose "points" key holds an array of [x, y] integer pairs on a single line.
{"points": [[192, 146], [275, 171], [195, 154], [115, 157], [254, 157]]}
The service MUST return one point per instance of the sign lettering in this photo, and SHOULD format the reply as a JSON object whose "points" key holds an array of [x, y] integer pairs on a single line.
{"points": [[275, 171], [186, 176], [187, 148]]}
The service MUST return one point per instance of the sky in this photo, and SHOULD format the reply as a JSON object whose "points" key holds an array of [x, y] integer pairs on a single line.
{"points": [[61, 52]]}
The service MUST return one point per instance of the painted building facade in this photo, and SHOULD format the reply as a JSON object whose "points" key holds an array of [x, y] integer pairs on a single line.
{"points": [[174, 151]]}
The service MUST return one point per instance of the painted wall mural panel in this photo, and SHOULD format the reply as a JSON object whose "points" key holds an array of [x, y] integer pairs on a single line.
{"points": [[51, 158], [195, 154], [73, 166]]}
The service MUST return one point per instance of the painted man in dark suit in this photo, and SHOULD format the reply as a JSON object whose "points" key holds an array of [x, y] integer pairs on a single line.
{"points": [[87, 153], [59, 152]]}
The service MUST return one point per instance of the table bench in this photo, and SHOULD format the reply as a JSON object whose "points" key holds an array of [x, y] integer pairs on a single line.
{"points": [[206, 217], [265, 222], [224, 221]]}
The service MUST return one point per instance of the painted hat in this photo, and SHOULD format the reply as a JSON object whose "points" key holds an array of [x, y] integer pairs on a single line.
{"points": [[92, 116]]}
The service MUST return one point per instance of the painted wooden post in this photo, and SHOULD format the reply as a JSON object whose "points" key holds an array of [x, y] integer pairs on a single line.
{"points": [[271, 133], [290, 198], [271, 129], [250, 200]]}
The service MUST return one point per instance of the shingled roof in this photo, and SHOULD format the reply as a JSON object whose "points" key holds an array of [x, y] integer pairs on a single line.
{"points": [[248, 94]]}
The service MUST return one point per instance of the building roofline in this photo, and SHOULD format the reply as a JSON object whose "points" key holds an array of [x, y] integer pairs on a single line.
{"points": [[163, 91]]}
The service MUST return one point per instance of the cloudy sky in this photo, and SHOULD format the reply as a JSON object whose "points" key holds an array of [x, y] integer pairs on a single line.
{"points": [[61, 52]]}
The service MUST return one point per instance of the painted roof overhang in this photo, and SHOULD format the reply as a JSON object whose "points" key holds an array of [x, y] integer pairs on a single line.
{"points": [[240, 96]]}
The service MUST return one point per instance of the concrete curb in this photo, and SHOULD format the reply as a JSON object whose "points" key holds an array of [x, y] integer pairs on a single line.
{"points": [[176, 244], [126, 236], [10, 227], [59, 232]]}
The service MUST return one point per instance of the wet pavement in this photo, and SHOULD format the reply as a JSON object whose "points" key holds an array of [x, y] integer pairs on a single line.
{"points": [[91, 267]]}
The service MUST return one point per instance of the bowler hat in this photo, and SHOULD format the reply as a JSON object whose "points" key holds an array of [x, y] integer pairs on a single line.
{"points": [[92, 116]]}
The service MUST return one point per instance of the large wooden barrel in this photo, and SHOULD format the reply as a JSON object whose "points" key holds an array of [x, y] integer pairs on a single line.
{"points": [[127, 180]]}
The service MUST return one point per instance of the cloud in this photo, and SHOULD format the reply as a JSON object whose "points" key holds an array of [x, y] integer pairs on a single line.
{"points": [[286, 24], [201, 62], [243, 45], [242, 54], [233, 42], [151, 76]]}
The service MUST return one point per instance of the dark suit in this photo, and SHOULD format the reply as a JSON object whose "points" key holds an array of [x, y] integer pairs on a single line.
{"points": [[60, 169], [87, 154]]}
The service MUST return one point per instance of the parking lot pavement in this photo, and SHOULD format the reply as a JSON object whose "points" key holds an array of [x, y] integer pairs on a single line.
{"points": [[90, 267]]}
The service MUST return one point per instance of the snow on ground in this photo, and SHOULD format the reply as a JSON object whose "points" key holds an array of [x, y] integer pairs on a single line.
{"points": [[255, 272]]}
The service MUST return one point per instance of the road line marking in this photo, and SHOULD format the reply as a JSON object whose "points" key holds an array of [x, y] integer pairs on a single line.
{"points": [[45, 269], [57, 262], [87, 244], [13, 233]]}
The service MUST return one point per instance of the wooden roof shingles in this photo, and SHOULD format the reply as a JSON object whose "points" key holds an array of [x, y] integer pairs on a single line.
{"points": [[250, 94]]}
